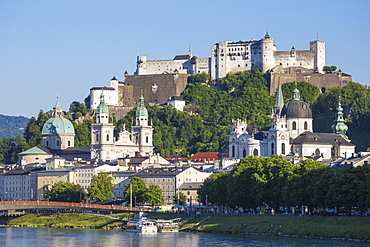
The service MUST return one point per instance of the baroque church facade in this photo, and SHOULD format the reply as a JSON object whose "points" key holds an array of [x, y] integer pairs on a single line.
{"points": [[105, 147], [291, 134]]}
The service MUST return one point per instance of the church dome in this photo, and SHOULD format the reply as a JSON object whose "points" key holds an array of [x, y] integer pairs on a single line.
{"points": [[58, 126], [141, 110], [296, 108]]}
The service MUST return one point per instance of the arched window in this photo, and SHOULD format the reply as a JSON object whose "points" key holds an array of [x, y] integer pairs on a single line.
{"points": [[294, 125], [305, 126], [47, 143], [233, 151], [323, 90], [317, 152], [107, 137], [58, 143], [244, 153], [97, 137], [147, 139], [255, 152], [272, 148], [283, 148], [69, 143]]}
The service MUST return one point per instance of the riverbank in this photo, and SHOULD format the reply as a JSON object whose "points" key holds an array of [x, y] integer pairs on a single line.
{"points": [[333, 227], [66, 220], [344, 228]]}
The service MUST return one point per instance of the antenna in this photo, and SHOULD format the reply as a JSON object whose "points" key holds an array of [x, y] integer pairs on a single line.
{"points": [[317, 35]]}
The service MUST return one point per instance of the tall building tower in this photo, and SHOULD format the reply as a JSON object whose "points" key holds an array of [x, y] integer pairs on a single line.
{"points": [[267, 57], [318, 48], [278, 136], [142, 132], [102, 134]]}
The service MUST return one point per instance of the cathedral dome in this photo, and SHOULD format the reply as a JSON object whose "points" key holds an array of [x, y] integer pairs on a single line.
{"points": [[58, 126], [296, 108]]}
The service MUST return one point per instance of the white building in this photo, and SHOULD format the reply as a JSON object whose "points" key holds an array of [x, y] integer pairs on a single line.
{"points": [[176, 102], [110, 93], [105, 147], [291, 134]]}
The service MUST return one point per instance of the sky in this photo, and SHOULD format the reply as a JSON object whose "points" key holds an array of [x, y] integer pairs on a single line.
{"points": [[63, 48]]}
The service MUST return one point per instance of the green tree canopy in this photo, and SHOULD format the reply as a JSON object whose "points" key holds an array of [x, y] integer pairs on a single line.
{"points": [[101, 187], [66, 192], [308, 92], [153, 195], [137, 187]]}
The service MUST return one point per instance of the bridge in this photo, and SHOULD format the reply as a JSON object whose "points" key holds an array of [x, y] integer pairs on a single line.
{"points": [[13, 205]]}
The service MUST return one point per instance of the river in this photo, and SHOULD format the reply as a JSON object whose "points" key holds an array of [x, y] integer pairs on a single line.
{"points": [[86, 237]]}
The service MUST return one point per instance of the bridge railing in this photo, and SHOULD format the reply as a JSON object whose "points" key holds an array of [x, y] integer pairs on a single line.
{"points": [[72, 205]]}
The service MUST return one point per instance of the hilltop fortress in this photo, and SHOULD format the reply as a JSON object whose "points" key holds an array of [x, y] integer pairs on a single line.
{"points": [[160, 79], [233, 57]]}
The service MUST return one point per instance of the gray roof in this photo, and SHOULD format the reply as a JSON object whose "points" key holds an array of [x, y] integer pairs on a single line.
{"points": [[191, 186], [321, 138], [160, 172]]}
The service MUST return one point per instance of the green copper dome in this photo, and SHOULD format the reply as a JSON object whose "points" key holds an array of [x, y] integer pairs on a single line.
{"points": [[58, 126], [339, 127], [141, 110], [102, 107]]}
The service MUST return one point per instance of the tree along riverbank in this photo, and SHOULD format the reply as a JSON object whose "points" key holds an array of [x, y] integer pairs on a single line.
{"points": [[334, 227]]}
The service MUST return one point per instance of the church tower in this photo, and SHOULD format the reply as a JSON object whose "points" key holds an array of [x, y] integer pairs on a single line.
{"points": [[339, 127], [278, 136], [102, 133], [142, 132]]}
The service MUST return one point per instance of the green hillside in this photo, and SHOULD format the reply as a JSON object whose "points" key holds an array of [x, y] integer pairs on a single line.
{"points": [[10, 126]]}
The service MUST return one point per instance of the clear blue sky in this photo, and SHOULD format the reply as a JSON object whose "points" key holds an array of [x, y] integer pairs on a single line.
{"points": [[67, 47]]}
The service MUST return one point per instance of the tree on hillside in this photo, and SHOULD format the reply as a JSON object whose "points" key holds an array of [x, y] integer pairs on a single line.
{"points": [[308, 92], [101, 187], [329, 68], [10, 147], [153, 195], [66, 192]]}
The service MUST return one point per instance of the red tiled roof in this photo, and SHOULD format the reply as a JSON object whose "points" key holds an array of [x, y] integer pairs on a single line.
{"points": [[205, 156]]}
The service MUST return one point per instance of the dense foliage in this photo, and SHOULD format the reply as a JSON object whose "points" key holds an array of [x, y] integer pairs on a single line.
{"points": [[66, 192], [275, 182], [11, 126], [101, 187], [138, 191]]}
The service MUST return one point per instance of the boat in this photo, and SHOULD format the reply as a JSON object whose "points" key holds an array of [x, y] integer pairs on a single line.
{"points": [[142, 225], [167, 226]]}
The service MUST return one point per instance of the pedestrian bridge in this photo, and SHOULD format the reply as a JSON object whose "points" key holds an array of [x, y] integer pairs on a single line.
{"points": [[13, 205]]}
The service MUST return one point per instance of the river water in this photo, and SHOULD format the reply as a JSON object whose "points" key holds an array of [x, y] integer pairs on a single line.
{"points": [[86, 237]]}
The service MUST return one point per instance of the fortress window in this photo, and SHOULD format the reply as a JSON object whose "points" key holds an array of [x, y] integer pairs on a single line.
{"points": [[323, 90]]}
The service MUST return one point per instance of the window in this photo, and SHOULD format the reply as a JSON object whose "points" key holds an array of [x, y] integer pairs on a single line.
{"points": [[244, 153], [283, 148], [294, 125], [272, 148], [255, 152], [317, 152], [233, 151], [97, 137], [69, 143], [305, 126], [147, 139], [107, 137], [58, 143]]}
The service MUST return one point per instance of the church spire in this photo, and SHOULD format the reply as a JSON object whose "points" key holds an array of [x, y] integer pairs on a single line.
{"points": [[339, 127], [279, 101]]}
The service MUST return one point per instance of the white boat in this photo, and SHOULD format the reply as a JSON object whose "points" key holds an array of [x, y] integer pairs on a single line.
{"points": [[143, 226]]}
